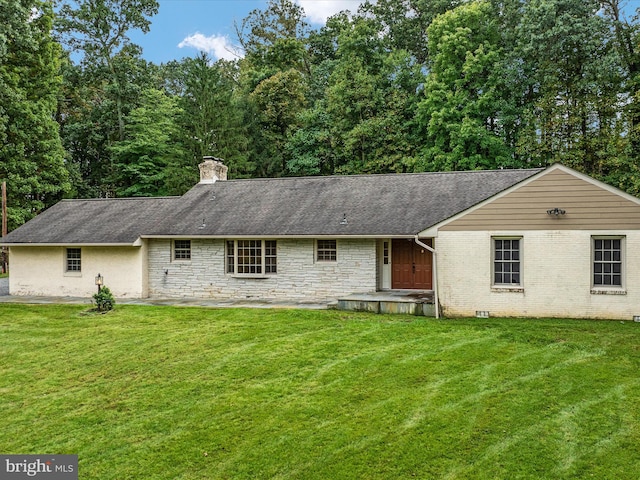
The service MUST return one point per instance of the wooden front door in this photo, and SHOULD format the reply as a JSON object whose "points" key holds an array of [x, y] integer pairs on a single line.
{"points": [[411, 265]]}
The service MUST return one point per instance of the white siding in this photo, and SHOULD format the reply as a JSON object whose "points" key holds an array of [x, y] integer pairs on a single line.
{"points": [[299, 276], [556, 276]]}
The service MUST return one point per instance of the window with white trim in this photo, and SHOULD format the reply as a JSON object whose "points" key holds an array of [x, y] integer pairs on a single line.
{"points": [[74, 260], [251, 257], [182, 250], [326, 251], [506, 261], [607, 265]]}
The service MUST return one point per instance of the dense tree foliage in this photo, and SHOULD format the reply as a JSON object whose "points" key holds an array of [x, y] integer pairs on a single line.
{"points": [[98, 29], [397, 86], [31, 157], [461, 112], [152, 160], [103, 87]]}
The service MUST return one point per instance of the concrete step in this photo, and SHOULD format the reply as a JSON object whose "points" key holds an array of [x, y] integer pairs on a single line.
{"points": [[406, 302]]}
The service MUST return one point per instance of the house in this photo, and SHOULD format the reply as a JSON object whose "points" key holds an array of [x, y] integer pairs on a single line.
{"points": [[533, 242]]}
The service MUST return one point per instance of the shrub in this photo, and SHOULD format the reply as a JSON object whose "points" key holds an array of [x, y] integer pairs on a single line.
{"points": [[104, 300]]}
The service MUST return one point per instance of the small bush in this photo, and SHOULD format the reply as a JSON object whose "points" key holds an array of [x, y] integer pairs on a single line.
{"points": [[104, 300]]}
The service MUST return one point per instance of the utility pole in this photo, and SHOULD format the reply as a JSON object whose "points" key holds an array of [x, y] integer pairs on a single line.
{"points": [[3, 253]]}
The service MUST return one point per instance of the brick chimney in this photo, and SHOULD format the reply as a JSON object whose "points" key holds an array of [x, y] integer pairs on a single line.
{"points": [[212, 169]]}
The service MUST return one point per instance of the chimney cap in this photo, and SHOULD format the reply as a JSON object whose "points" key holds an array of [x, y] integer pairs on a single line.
{"points": [[209, 158], [212, 169]]}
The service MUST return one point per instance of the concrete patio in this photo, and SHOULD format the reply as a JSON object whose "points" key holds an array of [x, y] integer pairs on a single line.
{"points": [[411, 302]]}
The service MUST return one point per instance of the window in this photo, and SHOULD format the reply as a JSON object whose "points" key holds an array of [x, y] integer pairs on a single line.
{"points": [[385, 253], [231, 257], [506, 261], [74, 260], [182, 249], [607, 262], [270, 256], [251, 257], [326, 251]]}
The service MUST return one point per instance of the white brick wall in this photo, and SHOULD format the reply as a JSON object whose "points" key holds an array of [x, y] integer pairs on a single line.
{"points": [[299, 277], [556, 276]]}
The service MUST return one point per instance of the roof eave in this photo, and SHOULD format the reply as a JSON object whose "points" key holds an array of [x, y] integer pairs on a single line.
{"points": [[137, 243], [278, 237]]}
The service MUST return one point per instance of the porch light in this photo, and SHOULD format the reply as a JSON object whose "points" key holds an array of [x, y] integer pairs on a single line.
{"points": [[99, 281], [556, 211]]}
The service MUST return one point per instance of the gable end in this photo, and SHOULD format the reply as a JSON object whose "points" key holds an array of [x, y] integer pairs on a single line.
{"points": [[588, 204]]}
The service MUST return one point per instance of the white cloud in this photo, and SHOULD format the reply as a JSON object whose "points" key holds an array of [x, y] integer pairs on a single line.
{"points": [[319, 10], [217, 46]]}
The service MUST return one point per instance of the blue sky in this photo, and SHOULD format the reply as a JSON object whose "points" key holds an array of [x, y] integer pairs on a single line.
{"points": [[184, 27]]}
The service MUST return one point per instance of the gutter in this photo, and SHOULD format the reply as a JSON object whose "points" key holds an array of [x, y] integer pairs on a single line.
{"points": [[70, 244], [435, 273], [272, 237]]}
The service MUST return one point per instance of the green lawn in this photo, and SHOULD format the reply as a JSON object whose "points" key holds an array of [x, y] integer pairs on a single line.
{"points": [[188, 393]]}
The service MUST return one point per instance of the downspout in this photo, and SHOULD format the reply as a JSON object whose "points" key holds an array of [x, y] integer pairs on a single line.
{"points": [[435, 273]]}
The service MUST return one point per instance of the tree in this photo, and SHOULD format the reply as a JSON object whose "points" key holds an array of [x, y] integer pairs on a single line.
{"points": [[573, 113], [311, 148], [211, 116], [275, 37], [151, 161], [88, 116], [461, 111], [274, 76], [364, 103], [404, 23], [31, 157], [99, 29], [624, 171], [279, 99], [110, 76]]}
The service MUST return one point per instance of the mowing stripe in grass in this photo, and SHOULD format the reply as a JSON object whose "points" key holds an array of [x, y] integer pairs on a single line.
{"points": [[171, 393]]}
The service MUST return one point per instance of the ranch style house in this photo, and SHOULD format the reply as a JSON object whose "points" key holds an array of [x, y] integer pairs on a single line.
{"points": [[521, 243]]}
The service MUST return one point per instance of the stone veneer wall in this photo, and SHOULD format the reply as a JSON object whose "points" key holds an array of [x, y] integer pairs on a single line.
{"points": [[299, 276]]}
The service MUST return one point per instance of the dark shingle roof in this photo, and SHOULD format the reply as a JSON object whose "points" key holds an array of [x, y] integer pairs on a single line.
{"points": [[98, 221], [374, 205]]}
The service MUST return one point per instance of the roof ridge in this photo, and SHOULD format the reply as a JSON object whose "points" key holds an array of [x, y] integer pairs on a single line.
{"points": [[359, 175], [167, 197]]}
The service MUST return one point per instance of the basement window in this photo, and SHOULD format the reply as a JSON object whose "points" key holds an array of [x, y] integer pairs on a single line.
{"points": [[251, 257]]}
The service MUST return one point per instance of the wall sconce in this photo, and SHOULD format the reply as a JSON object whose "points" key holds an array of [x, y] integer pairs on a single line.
{"points": [[99, 281], [556, 211]]}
